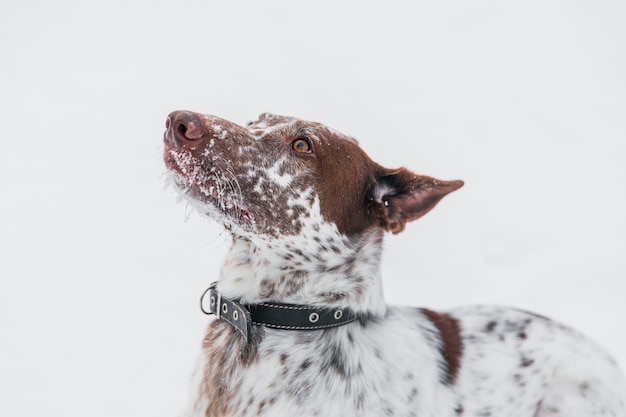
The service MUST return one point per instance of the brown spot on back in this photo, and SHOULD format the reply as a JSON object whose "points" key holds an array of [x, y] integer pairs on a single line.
{"points": [[451, 343]]}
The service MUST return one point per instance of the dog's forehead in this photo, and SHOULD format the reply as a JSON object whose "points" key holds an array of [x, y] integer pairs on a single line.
{"points": [[268, 123], [270, 120]]}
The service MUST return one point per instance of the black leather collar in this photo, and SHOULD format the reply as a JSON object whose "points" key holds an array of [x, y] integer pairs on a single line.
{"points": [[274, 315]]}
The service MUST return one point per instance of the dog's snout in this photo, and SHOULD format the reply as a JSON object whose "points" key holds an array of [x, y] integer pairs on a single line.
{"points": [[182, 127]]}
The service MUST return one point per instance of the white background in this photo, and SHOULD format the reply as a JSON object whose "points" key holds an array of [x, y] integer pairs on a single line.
{"points": [[101, 270]]}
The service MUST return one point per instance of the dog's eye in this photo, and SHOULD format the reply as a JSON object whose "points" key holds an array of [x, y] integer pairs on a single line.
{"points": [[301, 145]]}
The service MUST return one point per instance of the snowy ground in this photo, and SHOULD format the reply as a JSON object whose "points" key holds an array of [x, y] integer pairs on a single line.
{"points": [[100, 269]]}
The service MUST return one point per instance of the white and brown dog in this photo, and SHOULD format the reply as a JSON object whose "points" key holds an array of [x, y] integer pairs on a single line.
{"points": [[303, 328]]}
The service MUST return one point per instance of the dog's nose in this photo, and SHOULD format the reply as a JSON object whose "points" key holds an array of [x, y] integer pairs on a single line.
{"points": [[183, 127]]}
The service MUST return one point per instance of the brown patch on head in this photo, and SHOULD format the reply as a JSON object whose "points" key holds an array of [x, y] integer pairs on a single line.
{"points": [[344, 174], [451, 344]]}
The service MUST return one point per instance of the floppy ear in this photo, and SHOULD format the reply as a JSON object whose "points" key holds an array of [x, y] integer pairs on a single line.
{"points": [[404, 196]]}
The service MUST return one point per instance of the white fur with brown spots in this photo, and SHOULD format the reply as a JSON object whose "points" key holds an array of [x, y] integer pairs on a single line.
{"points": [[307, 210]]}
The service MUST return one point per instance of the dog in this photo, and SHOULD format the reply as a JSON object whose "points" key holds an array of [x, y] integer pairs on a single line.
{"points": [[302, 328]]}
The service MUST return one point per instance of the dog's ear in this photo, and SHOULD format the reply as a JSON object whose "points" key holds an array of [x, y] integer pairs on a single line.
{"points": [[401, 196]]}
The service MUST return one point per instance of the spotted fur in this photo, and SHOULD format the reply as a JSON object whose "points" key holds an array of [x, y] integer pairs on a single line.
{"points": [[307, 210]]}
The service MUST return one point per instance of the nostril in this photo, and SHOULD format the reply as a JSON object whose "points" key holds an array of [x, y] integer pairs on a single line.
{"points": [[182, 129], [191, 130]]}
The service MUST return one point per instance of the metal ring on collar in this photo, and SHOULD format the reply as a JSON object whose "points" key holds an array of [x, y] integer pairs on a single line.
{"points": [[212, 301]]}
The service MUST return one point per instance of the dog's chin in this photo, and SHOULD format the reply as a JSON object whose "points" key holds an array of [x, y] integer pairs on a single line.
{"points": [[218, 207]]}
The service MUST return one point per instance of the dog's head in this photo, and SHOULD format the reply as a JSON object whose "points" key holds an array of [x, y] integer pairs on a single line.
{"points": [[280, 175]]}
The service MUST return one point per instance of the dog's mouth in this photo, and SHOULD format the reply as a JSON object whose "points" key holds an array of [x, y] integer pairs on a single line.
{"points": [[214, 193]]}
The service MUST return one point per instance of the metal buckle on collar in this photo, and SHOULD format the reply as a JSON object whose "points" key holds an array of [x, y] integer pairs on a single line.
{"points": [[226, 310], [214, 302]]}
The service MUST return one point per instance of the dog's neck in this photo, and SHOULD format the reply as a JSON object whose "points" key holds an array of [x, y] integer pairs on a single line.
{"points": [[330, 271]]}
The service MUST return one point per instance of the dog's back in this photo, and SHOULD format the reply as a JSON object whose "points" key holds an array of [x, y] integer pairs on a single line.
{"points": [[307, 210]]}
